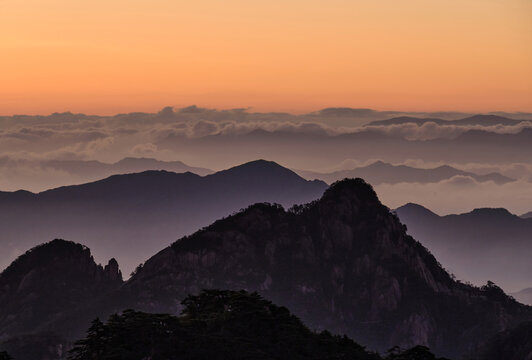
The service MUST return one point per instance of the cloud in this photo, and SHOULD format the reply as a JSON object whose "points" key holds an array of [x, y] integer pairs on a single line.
{"points": [[144, 149], [194, 134]]}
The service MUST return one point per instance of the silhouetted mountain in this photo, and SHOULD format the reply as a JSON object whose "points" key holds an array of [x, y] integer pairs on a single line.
{"points": [[484, 120], [49, 280], [132, 216], [528, 215], [342, 263], [514, 344], [380, 172], [97, 170], [484, 244], [524, 296], [50, 174]]}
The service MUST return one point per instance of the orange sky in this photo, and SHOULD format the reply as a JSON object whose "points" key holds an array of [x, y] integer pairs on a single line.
{"points": [[108, 56]]}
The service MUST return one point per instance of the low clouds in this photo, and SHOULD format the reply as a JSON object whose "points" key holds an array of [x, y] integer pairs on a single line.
{"points": [[216, 139], [141, 150]]}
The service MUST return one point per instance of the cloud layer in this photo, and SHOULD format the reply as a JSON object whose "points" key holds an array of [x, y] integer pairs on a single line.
{"points": [[330, 139]]}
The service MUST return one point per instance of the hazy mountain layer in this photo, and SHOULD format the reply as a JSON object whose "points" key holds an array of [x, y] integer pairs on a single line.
{"points": [[524, 296], [132, 216], [528, 215], [484, 244], [380, 172]]}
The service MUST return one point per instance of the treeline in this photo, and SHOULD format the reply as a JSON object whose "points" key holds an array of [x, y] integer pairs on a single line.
{"points": [[220, 324]]}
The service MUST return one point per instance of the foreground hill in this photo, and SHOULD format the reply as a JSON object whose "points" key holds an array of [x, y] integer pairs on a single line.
{"points": [[342, 263], [132, 216], [484, 244], [380, 172], [215, 325]]}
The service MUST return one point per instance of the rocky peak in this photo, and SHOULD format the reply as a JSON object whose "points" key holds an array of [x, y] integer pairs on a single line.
{"points": [[112, 271], [48, 280]]}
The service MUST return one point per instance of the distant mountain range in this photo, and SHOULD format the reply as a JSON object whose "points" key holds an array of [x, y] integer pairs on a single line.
{"points": [[380, 172], [528, 215], [524, 296], [99, 170], [320, 149], [484, 244], [342, 263], [483, 120], [133, 215]]}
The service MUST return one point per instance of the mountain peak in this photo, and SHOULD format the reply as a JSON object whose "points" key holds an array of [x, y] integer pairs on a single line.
{"points": [[412, 208], [261, 169], [259, 164], [492, 212], [353, 190], [49, 279]]}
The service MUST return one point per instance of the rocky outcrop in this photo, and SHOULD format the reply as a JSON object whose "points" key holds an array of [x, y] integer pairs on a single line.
{"points": [[343, 263], [48, 281]]}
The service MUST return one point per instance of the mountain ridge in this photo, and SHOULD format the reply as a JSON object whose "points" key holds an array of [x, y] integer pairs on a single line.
{"points": [[380, 172], [479, 245], [133, 215]]}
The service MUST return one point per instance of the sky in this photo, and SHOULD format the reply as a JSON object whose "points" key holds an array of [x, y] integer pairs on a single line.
{"points": [[112, 56]]}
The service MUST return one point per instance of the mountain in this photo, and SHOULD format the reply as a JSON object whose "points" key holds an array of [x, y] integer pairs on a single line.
{"points": [[483, 120], [50, 280], [342, 263], [55, 173], [524, 296], [380, 172], [134, 215], [98, 170], [528, 215], [514, 344], [484, 244]]}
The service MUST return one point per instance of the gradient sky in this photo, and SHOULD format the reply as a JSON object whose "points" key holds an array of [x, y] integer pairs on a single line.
{"points": [[118, 56]]}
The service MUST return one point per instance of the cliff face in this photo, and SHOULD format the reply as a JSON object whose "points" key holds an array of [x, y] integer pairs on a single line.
{"points": [[342, 263], [48, 281]]}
